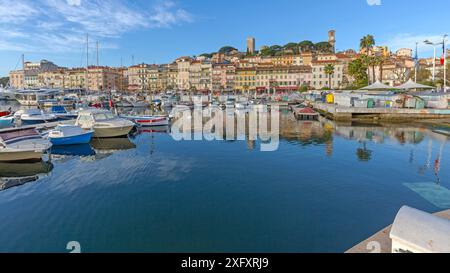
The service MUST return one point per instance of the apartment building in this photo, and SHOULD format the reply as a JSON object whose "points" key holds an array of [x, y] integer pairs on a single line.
{"points": [[222, 78]]}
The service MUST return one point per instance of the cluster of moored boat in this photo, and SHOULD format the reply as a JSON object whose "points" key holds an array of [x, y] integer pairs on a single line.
{"points": [[26, 143]]}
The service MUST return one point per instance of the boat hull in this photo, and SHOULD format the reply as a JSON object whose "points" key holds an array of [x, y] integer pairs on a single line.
{"points": [[152, 122], [35, 121], [72, 140], [29, 156], [5, 123], [109, 132]]}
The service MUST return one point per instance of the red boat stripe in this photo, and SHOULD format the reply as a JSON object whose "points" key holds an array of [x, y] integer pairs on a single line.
{"points": [[150, 120]]}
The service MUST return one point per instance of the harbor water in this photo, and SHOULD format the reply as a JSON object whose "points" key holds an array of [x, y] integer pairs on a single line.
{"points": [[327, 187]]}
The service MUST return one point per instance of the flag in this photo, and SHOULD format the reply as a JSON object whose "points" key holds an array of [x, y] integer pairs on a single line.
{"points": [[443, 54]]}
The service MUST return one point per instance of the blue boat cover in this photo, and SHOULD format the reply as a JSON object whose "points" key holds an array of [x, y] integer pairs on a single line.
{"points": [[58, 109]]}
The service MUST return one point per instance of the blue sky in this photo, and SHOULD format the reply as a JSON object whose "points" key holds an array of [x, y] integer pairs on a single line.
{"points": [[158, 31]]}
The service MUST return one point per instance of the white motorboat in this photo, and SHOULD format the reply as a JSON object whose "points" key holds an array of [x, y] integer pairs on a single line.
{"points": [[35, 97], [22, 145], [104, 123], [7, 94], [34, 116]]}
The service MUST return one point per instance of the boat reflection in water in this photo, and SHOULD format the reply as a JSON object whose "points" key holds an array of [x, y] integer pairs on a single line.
{"points": [[17, 174], [155, 129], [107, 146], [73, 150], [66, 152]]}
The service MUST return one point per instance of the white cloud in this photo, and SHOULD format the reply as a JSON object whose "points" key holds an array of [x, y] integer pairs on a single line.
{"points": [[74, 2], [166, 16], [407, 40], [16, 11], [61, 25], [374, 2]]}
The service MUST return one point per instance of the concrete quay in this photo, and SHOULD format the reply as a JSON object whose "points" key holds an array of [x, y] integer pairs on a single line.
{"points": [[343, 113], [380, 242]]}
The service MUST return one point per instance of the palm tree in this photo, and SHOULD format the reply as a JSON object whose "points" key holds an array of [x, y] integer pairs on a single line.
{"points": [[367, 42], [329, 70], [380, 62]]}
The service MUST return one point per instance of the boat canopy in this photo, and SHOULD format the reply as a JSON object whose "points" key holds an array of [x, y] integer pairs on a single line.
{"points": [[12, 136]]}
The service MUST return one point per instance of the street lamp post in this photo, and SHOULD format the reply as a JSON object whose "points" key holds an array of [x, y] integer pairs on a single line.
{"points": [[434, 45]]}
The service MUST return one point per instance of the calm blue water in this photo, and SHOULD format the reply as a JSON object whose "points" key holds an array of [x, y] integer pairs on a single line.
{"points": [[325, 189]]}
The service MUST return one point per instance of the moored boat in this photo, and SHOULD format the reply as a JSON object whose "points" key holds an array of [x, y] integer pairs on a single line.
{"points": [[34, 116], [69, 135], [104, 123], [61, 113], [139, 104], [22, 145], [7, 121], [7, 94], [149, 120], [4, 113], [35, 97]]}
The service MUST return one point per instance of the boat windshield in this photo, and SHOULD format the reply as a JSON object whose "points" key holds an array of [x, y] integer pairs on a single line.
{"points": [[103, 116]]}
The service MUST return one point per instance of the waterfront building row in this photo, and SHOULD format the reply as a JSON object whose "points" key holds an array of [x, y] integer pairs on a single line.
{"points": [[221, 73]]}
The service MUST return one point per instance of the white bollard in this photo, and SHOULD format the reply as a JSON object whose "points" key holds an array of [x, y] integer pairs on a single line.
{"points": [[415, 231]]}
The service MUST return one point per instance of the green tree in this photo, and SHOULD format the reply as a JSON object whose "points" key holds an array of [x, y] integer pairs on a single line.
{"points": [[423, 75], [323, 47], [4, 81], [292, 46], [267, 52], [329, 71], [367, 42], [227, 49], [302, 88], [357, 69], [306, 46], [440, 76], [207, 55]]}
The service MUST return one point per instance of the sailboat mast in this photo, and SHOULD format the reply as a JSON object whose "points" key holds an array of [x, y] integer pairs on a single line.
{"points": [[23, 69], [87, 62], [97, 55]]}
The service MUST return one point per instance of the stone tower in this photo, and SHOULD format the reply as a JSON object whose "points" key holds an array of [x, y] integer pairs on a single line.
{"points": [[251, 45], [332, 39]]}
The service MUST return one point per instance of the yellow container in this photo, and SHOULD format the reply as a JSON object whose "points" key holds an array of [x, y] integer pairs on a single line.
{"points": [[330, 98]]}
